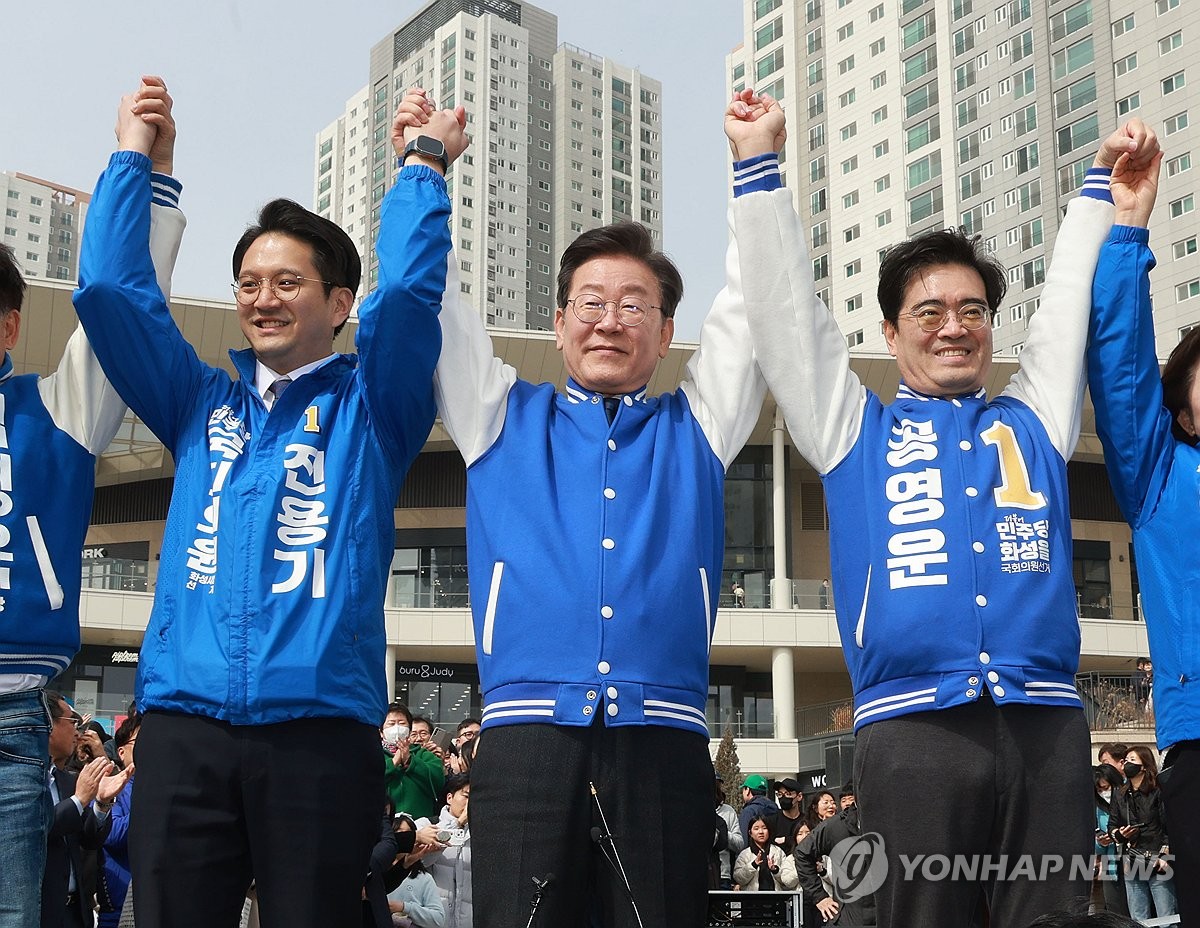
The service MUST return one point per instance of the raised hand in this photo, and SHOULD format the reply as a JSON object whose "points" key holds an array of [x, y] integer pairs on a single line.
{"points": [[153, 104], [754, 124], [417, 115]]}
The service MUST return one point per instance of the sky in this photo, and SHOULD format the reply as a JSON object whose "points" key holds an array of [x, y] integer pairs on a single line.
{"points": [[253, 82]]}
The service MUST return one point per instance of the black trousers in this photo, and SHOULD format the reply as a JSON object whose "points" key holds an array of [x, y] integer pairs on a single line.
{"points": [[1180, 785], [532, 814], [979, 783], [294, 807]]}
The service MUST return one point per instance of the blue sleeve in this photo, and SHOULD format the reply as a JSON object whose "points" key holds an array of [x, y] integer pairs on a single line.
{"points": [[1123, 374], [399, 337], [121, 307]]}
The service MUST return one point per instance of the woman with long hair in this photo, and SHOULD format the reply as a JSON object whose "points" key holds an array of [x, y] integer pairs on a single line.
{"points": [[1136, 822], [823, 805], [761, 866]]}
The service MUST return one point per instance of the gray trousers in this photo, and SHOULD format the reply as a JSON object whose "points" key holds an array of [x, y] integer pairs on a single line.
{"points": [[998, 793]]}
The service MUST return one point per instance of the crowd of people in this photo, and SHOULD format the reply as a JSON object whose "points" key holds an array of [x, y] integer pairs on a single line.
{"points": [[261, 681]]}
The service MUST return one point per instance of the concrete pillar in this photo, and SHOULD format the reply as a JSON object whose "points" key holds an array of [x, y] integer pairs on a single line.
{"points": [[781, 585], [390, 663], [783, 693]]}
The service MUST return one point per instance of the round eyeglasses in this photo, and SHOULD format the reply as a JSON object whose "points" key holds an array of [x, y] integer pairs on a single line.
{"points": [[590, 309], [931, 319], [285, 287]]}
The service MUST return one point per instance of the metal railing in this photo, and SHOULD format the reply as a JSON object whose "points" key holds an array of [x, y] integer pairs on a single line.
{"points": [[1112, 700]]}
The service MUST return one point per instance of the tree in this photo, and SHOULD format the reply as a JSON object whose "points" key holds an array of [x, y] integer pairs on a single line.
{"points": [[728, 767]]}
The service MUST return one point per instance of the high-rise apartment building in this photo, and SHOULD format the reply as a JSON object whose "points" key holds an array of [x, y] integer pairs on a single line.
{"points": [[43, 223], [562, 140], [906, 115]]}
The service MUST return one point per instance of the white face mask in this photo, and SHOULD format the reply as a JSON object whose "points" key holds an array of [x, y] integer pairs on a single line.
{"points": [[1106, 794], [393, 737]]}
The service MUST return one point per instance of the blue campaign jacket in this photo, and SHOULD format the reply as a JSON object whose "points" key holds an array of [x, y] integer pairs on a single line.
{"points": [[1155, 477], [950, 529], [51, 429], [269, 602]]}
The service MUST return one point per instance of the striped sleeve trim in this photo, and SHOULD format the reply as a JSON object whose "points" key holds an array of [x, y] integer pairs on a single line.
{"points": [[758, 173], [1095, 184], [165, 190]]}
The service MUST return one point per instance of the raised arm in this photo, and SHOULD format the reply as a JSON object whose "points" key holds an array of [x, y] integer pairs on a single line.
{"points": [[799, 347], [399, 338], [1050, 379], [119, 301], [1122, 363]]}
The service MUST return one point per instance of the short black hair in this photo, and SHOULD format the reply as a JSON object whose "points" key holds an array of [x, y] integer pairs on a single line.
{"points": [[932, 249], [399, 708], [1177, 378], [12, 283], [334, 255], [127, 729], [54, 702], [464, 723], [623, 239], [421, 718], [453, 784]]}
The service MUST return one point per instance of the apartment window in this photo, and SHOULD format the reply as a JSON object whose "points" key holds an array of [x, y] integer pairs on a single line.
{"points": [[854, 339], [875, 14], [1070, 20], [964, 40], [1173, 124], [845, 32], [1077, 95], [1033, 273], [883, 183], [920, 28], [816, 169], [768, 64], [924, 205], [1183, 206], [818, 201], [850, 164], [847, 98], [968, 145], [970, 184], [1129, 104], [854, 303], [1179, 164], [1184, 248], [813, 41], [1027, 196], [1070, 177], [1187, 291], [1024, 84], [846, 65], [883, 219], [878, 115], [1083, 132], [812, 10], [922, 133], [919, 100], [850, 199], [1073, 57], [878, 47], [1031, 234], [852, 233], [1124, 65], [854, 267], [881, 148], [964, 76], [1017, 313], [821, 267], [816, 104], [816, 71], [1165, 6], [1121, 26], [879, 80], [972, 220], [767, 34], [820, 234], [966, 112], [924, 170], [848, 132], [763, 7], [1169, 43], [1175, 82], [816, 137], [920, 64]]}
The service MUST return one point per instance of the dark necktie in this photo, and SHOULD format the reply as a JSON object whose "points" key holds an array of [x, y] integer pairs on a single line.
{"points": [[610, 406], [276, 389]]}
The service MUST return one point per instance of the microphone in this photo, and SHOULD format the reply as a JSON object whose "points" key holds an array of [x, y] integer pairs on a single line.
{"points": [[543, 882], [536, 901], [608, 847]]}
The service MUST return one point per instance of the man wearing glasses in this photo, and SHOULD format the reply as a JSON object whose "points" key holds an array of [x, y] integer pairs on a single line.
{"points": [[595, 532], [950, 538], [261, 679]]}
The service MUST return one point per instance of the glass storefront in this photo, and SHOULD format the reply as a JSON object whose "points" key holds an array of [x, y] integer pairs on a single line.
{"points": [[121, 566], [749, 547], [742, 699], [100, 681], [443, 693]]}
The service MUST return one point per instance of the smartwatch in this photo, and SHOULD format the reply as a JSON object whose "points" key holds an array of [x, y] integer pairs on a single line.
{"points": [[429, 147]]}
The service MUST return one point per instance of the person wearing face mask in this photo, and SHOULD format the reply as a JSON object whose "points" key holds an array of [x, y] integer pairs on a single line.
{"points": [[1108, 781], [789, 796], [413, 776], [1138, 825]]}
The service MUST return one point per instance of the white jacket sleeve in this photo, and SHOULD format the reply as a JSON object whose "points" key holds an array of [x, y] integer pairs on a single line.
{"points": [[799, 347], [1052, 372], [725, 387], [78, 396], [470, 383]]}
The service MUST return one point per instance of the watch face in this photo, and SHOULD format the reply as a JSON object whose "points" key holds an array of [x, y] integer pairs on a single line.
{"points": [[430, 146]]}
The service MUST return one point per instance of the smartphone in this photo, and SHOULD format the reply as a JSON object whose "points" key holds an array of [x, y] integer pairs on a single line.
{"points": [[442, 738]]}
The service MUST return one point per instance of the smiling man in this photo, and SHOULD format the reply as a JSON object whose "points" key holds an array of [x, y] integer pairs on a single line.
{"points": [[261, 679], [950, 539], [595, 534]]}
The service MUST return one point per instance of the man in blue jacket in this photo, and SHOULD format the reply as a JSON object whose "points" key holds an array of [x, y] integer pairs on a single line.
{"points": [[261, 678], [51, 429]]}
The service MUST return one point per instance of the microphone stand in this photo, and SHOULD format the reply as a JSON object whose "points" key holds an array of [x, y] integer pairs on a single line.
{"points": [[603, 837], [537, 896]]}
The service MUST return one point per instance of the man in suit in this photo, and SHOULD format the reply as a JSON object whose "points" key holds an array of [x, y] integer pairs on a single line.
{"points": [[81, 821]]}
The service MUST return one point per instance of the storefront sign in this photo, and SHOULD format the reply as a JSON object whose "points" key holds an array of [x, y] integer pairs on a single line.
{"points": [[124, 657]]}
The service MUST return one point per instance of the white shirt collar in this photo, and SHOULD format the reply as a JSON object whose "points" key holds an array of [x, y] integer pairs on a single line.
{"points": [[264, 376]]}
